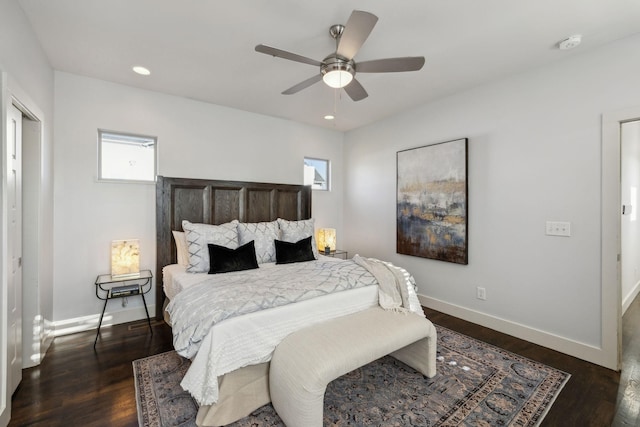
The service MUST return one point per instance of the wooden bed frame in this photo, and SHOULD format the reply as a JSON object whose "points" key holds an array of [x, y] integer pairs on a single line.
{"points": [[216, 202]]}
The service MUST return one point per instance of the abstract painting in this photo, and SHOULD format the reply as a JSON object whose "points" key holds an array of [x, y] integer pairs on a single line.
{"points": [[431, 203]]}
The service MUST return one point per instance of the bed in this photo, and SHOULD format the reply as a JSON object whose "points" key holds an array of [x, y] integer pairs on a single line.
{"points": [[218, 202], [229, 380]]}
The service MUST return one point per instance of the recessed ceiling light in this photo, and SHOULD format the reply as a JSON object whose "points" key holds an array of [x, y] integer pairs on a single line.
{"points": [[141, 70], [570, 42], [329, 117]]}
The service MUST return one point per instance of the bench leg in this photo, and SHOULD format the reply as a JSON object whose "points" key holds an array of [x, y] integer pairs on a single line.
{"points": [[421, 355], [306, 410]]}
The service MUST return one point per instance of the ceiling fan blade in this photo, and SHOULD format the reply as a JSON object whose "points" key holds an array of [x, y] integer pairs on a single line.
{"points": [[303, 85], [286, 55], [355, 90], [356, 31], [391, 65]]}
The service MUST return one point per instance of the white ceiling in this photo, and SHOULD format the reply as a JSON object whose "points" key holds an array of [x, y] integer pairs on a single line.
{"points": [[204, 49]]}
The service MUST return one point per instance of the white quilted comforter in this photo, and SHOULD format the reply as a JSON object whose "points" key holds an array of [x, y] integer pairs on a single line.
{"points": [[237, 319]]}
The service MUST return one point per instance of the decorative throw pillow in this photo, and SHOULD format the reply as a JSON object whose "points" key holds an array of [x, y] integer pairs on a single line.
{"points": [[224, 260], [263, 234], [300, 251], [293, 231], [199, 235], [181, 247]]}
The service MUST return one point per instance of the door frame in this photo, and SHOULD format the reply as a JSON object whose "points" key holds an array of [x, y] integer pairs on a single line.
{"points": [[34, 333], [12, 93], [611, 245]]}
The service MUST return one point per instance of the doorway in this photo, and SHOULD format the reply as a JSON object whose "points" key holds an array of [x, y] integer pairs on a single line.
{"points": [[25, 331], [629, 224], [611, 230], [627, 410]]}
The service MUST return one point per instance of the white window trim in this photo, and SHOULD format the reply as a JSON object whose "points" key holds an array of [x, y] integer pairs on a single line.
{"points": [[126, 181], [328, 178]]}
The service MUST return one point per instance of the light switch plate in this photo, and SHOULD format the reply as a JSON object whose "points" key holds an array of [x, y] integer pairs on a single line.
{"points": [[558, 228]]}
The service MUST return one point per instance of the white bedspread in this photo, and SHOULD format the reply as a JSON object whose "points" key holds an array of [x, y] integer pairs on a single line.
{"points": [[195, 310], [251, 338]]}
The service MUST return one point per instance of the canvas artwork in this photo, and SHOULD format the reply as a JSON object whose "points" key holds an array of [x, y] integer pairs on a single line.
{"points": [[432, 201]]}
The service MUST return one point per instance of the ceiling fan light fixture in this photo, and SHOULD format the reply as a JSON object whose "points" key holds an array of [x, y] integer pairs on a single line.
{"points": [[338, 69], [337, 72], [337, 78]]}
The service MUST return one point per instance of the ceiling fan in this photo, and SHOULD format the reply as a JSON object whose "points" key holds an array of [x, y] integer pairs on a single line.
{"points": [[338, 69]]}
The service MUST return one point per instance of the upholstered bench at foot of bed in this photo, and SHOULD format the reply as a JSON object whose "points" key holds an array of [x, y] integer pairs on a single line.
{"points": [[306, 361]]}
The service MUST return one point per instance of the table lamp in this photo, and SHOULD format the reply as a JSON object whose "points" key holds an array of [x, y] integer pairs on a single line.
{"points": [[125, 258], [326, 239]]}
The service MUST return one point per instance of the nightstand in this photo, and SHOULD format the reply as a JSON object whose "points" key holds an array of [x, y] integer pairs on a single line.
{"points": [[110, 287], [338, 253]]}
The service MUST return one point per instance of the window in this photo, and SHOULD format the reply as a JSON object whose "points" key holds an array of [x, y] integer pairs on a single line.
{"points": [[316, 173], [126, 157]]}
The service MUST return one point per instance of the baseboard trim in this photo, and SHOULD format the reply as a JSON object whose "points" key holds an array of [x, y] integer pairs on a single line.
{"points": [[86, 323], [573, 348], [47, 339], [41, 344], [630, 297]]}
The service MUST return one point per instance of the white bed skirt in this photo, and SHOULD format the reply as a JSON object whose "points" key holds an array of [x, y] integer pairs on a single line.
{"points": [[241, 392]]}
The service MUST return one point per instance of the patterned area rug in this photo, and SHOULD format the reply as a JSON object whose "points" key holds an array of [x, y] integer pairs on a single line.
{"points": [[477, 384]]}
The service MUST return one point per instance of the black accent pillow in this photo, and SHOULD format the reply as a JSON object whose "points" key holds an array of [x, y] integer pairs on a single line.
{"points": [[300, 251], [224, 260]]}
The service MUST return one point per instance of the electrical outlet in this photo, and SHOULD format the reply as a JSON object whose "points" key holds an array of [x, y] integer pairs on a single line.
{"points": [[481, 293]]}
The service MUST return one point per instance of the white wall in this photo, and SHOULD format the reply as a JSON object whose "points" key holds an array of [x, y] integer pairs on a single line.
{"points": [[28, 77], [630, 221], [534, 155], [195, 139]]}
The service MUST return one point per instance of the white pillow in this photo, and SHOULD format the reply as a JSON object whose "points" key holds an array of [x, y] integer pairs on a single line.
{"points": [[263, 234], [181, 247], [294, 231], [198, 236]]}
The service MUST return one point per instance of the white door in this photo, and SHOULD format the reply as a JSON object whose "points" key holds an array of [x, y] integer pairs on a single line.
{"points": [[14, 247]]}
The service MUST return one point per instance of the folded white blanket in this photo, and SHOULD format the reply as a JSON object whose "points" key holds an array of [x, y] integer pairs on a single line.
{"points": [[393, 294]]}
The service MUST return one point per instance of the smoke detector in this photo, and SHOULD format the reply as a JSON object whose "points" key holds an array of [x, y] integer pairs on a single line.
{"points": [[570, 42]]}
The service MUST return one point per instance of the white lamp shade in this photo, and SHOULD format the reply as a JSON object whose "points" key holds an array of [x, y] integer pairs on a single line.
{"points": [[125, 258], [326, 237], [337, 78]]}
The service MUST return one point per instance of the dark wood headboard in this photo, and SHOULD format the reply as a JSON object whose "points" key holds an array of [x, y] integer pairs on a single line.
{"points": [[216, 202]]}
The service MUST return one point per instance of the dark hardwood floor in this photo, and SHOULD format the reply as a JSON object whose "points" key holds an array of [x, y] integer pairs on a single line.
{"points": [[77, 386], [628, 407]]}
